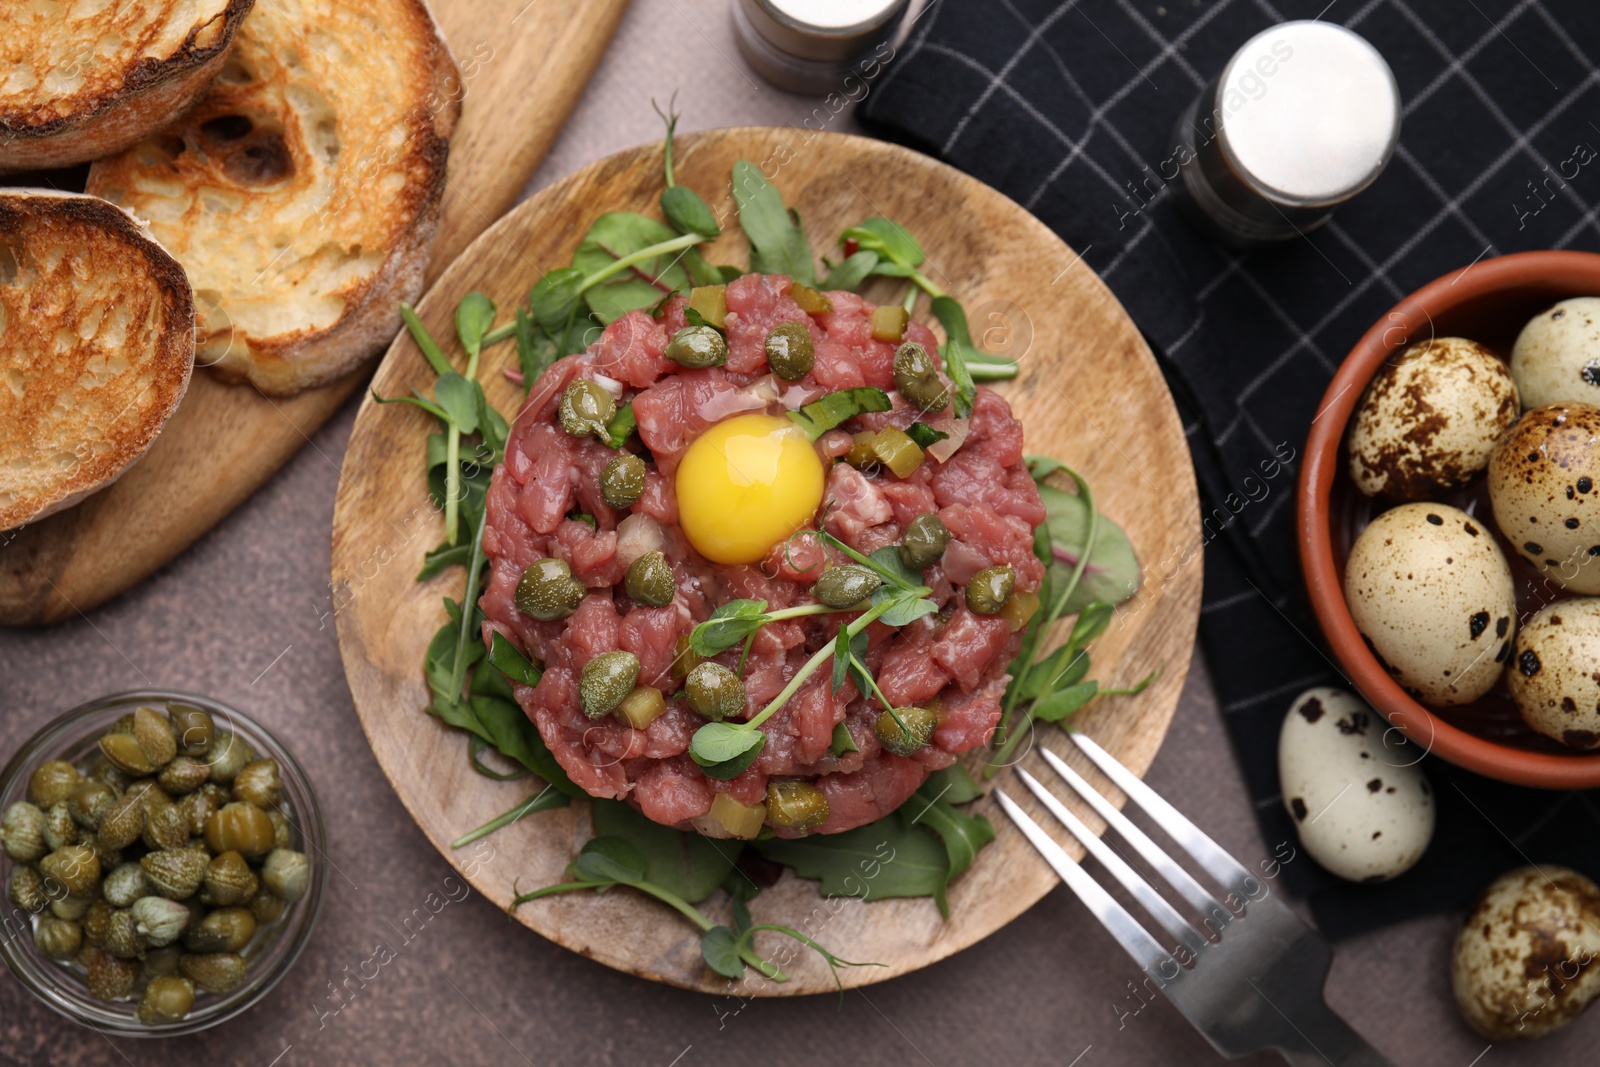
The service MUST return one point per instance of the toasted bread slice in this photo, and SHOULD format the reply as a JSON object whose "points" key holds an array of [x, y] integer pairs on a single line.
{"points": [[96, 347], [85, 80], [302, 193]]}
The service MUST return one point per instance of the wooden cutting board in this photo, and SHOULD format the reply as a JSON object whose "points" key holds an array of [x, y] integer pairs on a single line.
{"points": [[1089, 393], [523, 65]]}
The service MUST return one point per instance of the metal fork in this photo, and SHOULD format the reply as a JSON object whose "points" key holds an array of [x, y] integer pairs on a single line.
{"points": [[1256, 981]]}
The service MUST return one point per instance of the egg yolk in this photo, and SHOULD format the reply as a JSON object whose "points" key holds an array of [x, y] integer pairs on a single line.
{"points": [[745, 485]]}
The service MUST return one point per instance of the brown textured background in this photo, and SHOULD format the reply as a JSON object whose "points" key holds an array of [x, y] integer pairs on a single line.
{"points": [[243, 616]]}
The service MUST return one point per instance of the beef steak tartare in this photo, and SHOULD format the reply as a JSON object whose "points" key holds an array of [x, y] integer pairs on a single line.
{"points": [[634, 575]]}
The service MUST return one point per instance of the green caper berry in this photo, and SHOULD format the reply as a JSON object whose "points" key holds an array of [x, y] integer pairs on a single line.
{"points": [[714, 692], [924, 541], [790, 352], [845, 585], [586, 408], [989, 589], [605, 680], [917, 379], [796, 805], [622, 482], [697, 346], [168, 998], [650, 581], [913, 731], [547, 591]]}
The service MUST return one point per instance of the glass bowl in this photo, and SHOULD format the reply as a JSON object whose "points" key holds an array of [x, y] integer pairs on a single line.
{"points": [[276, 945]]}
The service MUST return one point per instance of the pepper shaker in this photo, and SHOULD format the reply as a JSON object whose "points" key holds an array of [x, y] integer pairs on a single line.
{"points": [[809, 46], [1304, 117]]}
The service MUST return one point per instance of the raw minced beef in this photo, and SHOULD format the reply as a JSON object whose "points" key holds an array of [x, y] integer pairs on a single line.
{"points": [[982, 492]]}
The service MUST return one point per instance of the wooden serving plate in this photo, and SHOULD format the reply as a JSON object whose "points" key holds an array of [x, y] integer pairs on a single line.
{"points": [[1089, 393], [523, 66]]}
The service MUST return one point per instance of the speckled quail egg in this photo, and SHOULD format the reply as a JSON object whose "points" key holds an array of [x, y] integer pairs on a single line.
{"points": [[1433, 598], [1354, 787], [1555, 672], [1557, 355], [1544, 482], [1523, 961], [1430, 419]]}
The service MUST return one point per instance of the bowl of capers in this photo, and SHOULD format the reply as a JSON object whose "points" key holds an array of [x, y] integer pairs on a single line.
{"points": [[161, 856]]}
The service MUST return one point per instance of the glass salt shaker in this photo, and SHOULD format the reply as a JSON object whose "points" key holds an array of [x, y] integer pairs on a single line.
{"points": [[1304, 117], [809, 46]]}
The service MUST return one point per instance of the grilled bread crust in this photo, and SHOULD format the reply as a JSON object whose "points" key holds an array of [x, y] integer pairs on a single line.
{"points": [[83, 84], [96, 347], [302, 193]]}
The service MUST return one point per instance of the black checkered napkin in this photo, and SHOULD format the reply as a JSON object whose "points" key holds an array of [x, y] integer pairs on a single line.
{"points": [[1069, 108]]}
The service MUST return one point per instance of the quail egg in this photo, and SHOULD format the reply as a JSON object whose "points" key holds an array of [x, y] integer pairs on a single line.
{"points": [[1553, 676], [1523, 961], [1430, 419], [1557, 355], [1544, 483], [1353, 786], [1432, 596]]}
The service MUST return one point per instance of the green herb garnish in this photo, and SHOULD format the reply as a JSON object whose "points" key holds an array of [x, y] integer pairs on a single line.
{"points": [[825, 413]]}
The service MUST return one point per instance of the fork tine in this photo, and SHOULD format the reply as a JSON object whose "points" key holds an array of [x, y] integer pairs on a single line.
{"points": [[1153, 902], [1229, 872], [1134, 939], [1198, 897]]}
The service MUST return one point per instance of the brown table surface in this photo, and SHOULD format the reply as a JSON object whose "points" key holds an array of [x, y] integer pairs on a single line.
{"points": [[244, 616]]}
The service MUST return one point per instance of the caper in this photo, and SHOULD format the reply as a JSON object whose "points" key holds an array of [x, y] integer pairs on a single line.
{"points": [[153, 733], [845, 585], [229, 881], [790, 353], [223, 930], [184, 775], [124, 885], [282, 829], [622, 481], [714, 692], [150, 794], [905, 730], [586, 408], [176, 873], [96, 922], [60, 829], [239, 827], [71, 908], [124, 753], [27, 891], [122, 935], [796, 805], [90, 801], [267, 908], [605, 680], [159, 921], [924, 541], [122, 822], [160, 961], [650, 581], [989, 589], [166, 827], [52, 782], [228, 755], [698, 346], [198, 806], [215, 972], [286, 874], [75, 867], [917, 379], [547, 590], [259, 784], [167, 999], [58, 939], [110, 978], [193, 728], [22, 832]]}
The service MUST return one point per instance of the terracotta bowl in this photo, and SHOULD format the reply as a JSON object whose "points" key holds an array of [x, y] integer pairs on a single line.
{"points": [[1488, 302]]}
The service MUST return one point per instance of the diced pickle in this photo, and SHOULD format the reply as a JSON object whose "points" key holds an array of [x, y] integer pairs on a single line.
{"points": [[889, 323], [1020, 609], [861, 456], [897, 451], [739, 820], [642, 707], [810, 300], [711, 303]]}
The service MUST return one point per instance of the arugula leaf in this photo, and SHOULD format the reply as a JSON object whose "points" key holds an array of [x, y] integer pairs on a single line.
{"points": [[958, 348], [888, 239], [621, 426], [925, 435], [724, 750], [841, 664], [511, 662], [728, 625], [546, 799], [554, 299], [535, 350], [777, 243], [851, 272], [610, 859], [1113, 572], [1063, 702], [883, 859], [442, 558], [842, 741], [822, 415], [687, 865], [616, 236], [953, 785], [962, 835], [688, 213]]}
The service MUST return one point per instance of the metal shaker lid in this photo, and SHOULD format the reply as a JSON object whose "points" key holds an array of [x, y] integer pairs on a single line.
{"points": [[821, 29], [1308, 113]]}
